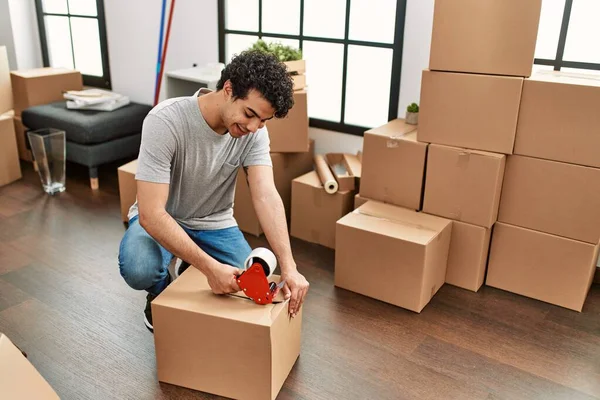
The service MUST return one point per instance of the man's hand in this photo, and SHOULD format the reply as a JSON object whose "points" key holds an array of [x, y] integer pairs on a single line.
{"points": [[295, 289], [222, 278]]}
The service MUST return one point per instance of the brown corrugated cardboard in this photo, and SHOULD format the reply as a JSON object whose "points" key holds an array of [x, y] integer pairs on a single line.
{"points": [[341, 165], [225, 345], [488, 37], [127, 187], [392, 254], [290, 134], [552, 197], [6, 94], [546, 267], [18, 377], [315, 212], [467, 258], [559, 118], [393, 165], [20, 131], [467, 110], [463, 185], [286, 167], [42, 86], [359, 200], [10, 168]]}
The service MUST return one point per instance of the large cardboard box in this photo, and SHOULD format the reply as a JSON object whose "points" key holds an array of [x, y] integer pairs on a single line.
{"points": [[18, 377], [286, 167], [21, 133], [359, 200], [552, 197], [6, 94], [468, 110], [559, 118], [42, 86], [487, 37], [468, 255], [224, 345], [463, 185], [290, 134], [393, 165], [10, 168], [127, 187], [315, 212], [546, 267], [392, 254]]}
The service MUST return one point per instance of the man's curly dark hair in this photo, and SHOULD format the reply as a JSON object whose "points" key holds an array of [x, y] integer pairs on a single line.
{"points": [[255, 69]]}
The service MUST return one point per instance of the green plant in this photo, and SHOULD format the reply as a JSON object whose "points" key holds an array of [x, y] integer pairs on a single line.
{"points": [[283, 53], [413, 108]]}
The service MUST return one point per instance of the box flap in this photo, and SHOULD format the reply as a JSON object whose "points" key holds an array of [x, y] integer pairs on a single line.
{"points": [[567, 78], [36, 72], [465, 152], [354, 164], [130, 167], [310, 178], [395, 128]]}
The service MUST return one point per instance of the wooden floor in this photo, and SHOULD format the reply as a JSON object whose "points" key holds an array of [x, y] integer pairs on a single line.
{"points": [[63, 301]]}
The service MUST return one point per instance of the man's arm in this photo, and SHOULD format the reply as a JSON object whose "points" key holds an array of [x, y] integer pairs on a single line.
{"points": [[271, 215]]}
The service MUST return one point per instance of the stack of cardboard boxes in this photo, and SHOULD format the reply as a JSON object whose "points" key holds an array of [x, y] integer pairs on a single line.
{"points": [[10, 169]]}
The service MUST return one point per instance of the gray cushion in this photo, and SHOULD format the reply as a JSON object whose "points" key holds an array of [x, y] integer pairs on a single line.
{"points": [[87, 126]]}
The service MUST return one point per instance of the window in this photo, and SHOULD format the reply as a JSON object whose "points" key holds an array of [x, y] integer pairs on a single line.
{"points": [[353, 53], [567, 36], [73, 35]]}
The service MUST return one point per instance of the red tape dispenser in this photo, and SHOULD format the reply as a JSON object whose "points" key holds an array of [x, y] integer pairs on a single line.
{"points": [[260, 264]]}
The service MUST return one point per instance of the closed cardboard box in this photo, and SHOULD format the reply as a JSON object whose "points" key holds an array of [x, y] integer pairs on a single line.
{"points": [[127, 187], [10, 168], [487, 37], [286, 167], [393, 165], [463, 185], [467, 110], [546, 267], [6, 94], [290, 134], [42, 86], [552, 197], [315, 212], [21, 132], [467, 258], [18, 377], [559, 118], [392, 254], [224, 345]]}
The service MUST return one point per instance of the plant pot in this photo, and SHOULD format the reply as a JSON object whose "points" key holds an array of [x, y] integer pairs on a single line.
{"points": [[412, 118]]}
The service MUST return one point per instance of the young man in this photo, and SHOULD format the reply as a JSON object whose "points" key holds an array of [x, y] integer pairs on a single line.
{"points": [[191, 150]]}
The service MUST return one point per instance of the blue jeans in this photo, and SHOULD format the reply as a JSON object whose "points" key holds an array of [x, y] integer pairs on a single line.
{"points": [[144, 263]]}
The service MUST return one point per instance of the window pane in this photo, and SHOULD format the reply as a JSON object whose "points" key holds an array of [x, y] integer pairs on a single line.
{"points": [[286, 42], [241, 15], [86, 43], [324, 18], [324, 69], [281, 16], [549, 29], [368, 86], [584, 31], [55, 6], [235, 44], [58, 37], [373, 22], [83, 7]]}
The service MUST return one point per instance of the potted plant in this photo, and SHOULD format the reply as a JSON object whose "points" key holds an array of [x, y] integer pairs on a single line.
{"points": [[291, 57], [412, 114]]}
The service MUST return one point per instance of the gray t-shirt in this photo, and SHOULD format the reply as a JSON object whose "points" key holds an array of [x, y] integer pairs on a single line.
{"points": [[179, 148]]}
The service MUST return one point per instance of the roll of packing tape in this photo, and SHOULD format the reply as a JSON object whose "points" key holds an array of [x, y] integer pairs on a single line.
{"points": [[265, 257], [325, 175]]}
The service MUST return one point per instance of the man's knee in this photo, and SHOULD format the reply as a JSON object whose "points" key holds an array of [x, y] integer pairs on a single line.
{"points": [[140, 260]]}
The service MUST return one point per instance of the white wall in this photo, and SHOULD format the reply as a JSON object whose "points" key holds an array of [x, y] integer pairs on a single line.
{"points": [[6, 34], [28, 52]]}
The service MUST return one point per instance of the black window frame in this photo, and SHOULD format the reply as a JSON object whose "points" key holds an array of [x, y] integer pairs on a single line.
{"points": [[396, 46], [559, 61], [104, 81]]}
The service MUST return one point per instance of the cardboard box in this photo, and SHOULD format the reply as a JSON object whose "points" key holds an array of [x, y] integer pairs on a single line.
{"points": [[21, 133], [315, 212], [552, 197], [559, 112], [346, 169], [18, 377], [546, 267], [468, 255], [290, 134], [10, 168], [6, 94], [463, 185], [224, 345], [393, 165], [286, 167], [467, 110], [359, 200], [127, 187], [42, 86], [392, 254], [487, 37]]}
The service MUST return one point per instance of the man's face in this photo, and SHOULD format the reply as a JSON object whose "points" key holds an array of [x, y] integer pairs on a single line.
{"points": [[244, 116]]}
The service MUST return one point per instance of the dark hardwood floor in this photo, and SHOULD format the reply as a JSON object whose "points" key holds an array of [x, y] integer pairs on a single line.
{"points": [[63, 301]]}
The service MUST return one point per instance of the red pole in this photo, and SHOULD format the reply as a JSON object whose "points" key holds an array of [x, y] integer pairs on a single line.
{"points": [[164, 55]]}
